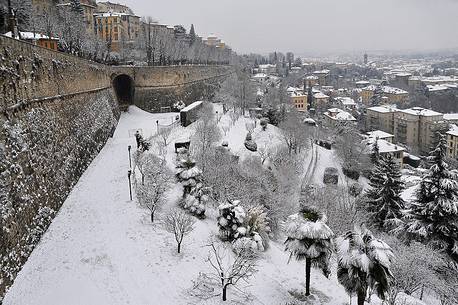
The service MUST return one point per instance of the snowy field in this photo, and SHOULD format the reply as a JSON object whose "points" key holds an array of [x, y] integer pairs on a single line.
{"points": [[102, 249]]}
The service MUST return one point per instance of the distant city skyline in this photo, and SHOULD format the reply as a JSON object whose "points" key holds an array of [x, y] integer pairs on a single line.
{"points": [[263, 26]]}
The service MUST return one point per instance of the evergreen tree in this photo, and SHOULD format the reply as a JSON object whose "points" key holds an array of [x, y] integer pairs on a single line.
{"points": [[364, 262], [376, 98], [434, 217], [310, 97], [310, 239], [192, 34], [375, 155], [384, 202], [76, 7]]}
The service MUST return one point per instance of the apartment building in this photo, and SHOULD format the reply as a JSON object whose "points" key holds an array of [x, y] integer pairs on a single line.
{"points": [[390, 95], [298, 100], [380, 118], [417, 127], [452, 141], [323, 76]]}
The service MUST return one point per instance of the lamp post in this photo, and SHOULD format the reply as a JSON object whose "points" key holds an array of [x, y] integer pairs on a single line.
{"points": [[129, 173], [130, 160], [157, 125], [217, 115]]}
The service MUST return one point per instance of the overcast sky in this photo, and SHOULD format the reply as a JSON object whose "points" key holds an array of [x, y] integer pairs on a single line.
{"points": [[314, 25]]}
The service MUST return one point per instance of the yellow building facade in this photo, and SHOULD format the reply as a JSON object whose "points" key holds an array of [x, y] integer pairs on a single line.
{"points": [[299, 101], [108, 27], [391, 95]]}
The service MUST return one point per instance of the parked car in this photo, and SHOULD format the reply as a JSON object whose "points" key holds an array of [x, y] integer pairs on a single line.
{"points": [[331, 175]]}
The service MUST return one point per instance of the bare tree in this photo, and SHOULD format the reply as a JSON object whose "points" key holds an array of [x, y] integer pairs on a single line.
{"points": [[151, 194], [206, 133], [250, 126], [180, 224], [145, 162], [225, 128], [164, 134], [229, 267], [294, 133], [265, 152]]}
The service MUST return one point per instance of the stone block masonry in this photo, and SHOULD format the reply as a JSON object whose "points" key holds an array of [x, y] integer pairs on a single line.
{"points": [[43, 152], [56, 113]]}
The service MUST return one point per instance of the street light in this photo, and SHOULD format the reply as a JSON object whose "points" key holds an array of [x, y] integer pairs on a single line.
{"points": [[129, 173], [130, 160]]}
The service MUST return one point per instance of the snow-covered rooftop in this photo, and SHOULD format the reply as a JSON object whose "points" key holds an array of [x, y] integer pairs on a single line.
{"points": [[380, 134], [346, 101], [420, 111], [320, 95], [383, 146], [453, 131], [435, 88], [321, 72], [386, 89], [339, 115], [383, 109], [192, 106], [260, 75], [30, 36], [451, 116]]}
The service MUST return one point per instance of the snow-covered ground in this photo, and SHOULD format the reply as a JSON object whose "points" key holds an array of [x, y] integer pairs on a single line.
{"points": [[102, 249]]}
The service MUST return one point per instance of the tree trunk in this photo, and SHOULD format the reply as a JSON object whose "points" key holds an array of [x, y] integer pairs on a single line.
{"points": [[361, 297], [179, 247], [224, 292], [152, 216], [308, 265]]}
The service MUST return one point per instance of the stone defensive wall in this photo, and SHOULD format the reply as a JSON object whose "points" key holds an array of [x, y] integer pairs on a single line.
{"points": [[57, 111]]}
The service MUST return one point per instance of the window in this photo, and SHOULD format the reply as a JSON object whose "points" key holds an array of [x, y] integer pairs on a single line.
{"points": [[116, 36]]}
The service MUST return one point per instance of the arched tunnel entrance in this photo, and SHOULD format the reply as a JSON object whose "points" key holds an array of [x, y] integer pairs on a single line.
{"points": [[123, 86]]}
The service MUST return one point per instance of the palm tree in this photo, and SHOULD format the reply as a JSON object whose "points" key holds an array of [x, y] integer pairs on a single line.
{"points": [[310, 238], [363, 262]]}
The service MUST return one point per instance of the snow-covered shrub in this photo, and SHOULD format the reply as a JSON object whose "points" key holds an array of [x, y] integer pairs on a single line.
{"points": [[230, 220], [246, 229], [350, 173], [355, 189], [250, 144], [257, 224], [195, 195], [179, 105], [254, 243]]}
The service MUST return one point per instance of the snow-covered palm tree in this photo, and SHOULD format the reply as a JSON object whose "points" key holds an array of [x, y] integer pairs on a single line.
{"points": [[363, 262], [310, 239]]}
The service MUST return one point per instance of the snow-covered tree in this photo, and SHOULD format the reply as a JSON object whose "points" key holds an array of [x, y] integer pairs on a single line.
{"points": [[179, 224], [414, 268], [195, 195], [230, 220], [375, 154], [434, 217], [350, 150], [206, 133], [364, 262], [383, 200], [231, 265], [156, 180], [309, 239], [294, 135]]}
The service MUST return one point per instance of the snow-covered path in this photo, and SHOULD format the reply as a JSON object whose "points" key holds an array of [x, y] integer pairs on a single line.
{"points": [[101, 248]]}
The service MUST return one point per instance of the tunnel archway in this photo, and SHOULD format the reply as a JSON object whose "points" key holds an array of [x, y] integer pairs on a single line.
{"points": [[124, 88]]}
